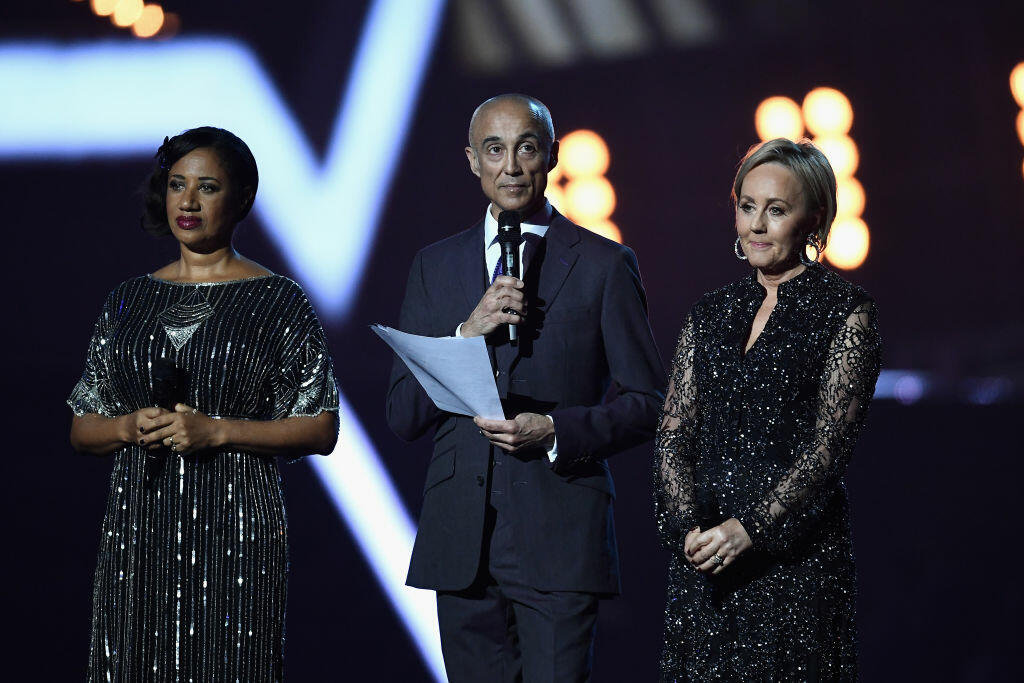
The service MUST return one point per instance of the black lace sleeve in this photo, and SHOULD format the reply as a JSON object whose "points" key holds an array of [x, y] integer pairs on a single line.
{"points": [[674, 496], [847, 385]]}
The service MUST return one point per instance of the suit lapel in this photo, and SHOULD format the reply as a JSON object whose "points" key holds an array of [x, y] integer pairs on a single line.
{"points": [[559, 258], [469, 265]]}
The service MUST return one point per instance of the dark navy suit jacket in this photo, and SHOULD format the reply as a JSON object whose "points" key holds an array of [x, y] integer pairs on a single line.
{"points": [[585, 356]]}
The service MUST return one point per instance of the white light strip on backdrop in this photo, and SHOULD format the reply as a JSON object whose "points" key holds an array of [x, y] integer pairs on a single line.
{"points": [[117, 99]]}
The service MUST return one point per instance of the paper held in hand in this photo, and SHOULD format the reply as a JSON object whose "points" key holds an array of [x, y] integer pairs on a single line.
{"points": [[454, 371]]}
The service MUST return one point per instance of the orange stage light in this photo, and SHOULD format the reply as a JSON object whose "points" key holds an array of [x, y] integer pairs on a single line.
{"points": [[848, 243], [827, 112], [127, 13], [104, 8], [149, 22], [1017, 84], [850, 198], [606, 229], [778, 117], [583, 153], [841, 152], [589, 200]]}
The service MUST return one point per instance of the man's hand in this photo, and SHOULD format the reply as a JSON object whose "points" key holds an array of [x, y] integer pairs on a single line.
{"points": [[502, 303], [527, 430]]}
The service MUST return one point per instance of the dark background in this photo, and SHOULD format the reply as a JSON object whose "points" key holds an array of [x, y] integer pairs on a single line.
{"points": [[934, 484]]}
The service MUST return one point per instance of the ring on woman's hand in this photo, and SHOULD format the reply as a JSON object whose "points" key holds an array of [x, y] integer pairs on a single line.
{"points": [[195, 411], [171, 444], [718, 559]]}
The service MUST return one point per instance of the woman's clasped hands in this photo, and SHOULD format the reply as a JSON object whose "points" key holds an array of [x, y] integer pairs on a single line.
{"points": [[711, 551], [183, 431]]}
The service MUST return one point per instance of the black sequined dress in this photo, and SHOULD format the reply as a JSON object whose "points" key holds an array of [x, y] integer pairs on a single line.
{"points": [[765, 437], [191, 578]]}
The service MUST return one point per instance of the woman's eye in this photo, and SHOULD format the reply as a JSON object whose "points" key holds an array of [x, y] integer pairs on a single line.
{"points": [[206, 187], [776, 211]]}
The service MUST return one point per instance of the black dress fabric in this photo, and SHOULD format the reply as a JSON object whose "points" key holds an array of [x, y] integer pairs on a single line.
{"points": [[191, 578], [765, 437]]}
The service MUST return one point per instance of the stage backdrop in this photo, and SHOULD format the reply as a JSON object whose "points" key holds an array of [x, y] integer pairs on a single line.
{"points": [[357, 113]]}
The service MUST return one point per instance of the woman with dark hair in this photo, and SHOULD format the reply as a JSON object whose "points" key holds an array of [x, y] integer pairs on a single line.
{"points": [[770, 383], [197, 375]]}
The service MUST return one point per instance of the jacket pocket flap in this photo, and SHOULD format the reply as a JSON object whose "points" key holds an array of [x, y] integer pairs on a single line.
{"points": [[440, 468]]}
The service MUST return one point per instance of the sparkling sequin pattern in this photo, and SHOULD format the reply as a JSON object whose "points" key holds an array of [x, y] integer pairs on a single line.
{"points": [[191, 578], [765, 437]]}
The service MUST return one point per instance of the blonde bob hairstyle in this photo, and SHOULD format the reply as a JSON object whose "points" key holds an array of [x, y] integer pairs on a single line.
{"points": [[810, 166]]}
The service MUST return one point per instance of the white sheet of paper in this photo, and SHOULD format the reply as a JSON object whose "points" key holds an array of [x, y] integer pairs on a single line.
{"points": [[454, 371]]}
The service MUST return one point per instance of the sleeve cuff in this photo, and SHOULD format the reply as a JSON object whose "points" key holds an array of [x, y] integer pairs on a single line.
{"points": [[553, 451], [458, 330]]}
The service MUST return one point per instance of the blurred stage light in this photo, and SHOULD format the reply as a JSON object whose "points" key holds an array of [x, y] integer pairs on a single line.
{"points": [[779, 117], [850, 198], [577, 186], [110, 88], [1017, 84], [606, 229], [841, 152], [590, 200], [149, 22], [1017, 88], [583, 153], [127, 13], [848, 243], [827, 112], [104, 8], [556, 195]]}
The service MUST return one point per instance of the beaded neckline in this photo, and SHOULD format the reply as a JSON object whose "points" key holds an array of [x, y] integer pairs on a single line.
{"points": [[209, 284]]}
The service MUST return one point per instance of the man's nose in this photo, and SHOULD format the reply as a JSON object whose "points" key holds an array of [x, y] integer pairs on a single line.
{"points": [[511, 166]]}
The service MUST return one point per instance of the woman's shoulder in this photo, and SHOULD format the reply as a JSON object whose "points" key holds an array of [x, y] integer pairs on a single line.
{"points": [[842, 289], [722, 296]]}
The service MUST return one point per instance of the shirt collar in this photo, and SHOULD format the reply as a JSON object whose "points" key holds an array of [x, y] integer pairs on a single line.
{"points": [[539, 229]]}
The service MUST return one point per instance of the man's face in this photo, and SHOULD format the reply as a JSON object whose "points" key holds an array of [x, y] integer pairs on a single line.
{"points": [[511, 155]]}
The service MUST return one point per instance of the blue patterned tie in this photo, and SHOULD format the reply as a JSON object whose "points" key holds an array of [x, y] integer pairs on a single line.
{"points": [[532, 240]]}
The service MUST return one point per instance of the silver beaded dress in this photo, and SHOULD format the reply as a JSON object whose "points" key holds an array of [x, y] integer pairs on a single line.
{"points": [[191, 578], [765, 437]]}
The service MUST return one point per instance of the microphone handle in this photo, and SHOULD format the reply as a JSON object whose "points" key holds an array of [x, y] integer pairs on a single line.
{"points": [[511, 256]]}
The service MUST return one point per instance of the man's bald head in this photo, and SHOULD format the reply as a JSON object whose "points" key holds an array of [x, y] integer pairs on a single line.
{"points": [[537, 111]]}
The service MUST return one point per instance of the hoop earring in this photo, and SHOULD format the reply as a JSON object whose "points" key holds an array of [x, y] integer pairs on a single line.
{"points": [[736, 249], [804, 259]]}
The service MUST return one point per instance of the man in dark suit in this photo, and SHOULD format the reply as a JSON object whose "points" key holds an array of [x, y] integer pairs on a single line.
{"points": [[516, 533]]}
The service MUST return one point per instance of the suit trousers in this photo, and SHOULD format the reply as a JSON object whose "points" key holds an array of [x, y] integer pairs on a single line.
{"points": [[502, 630]]}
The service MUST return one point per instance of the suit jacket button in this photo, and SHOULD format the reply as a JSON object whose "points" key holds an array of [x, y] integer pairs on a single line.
{"points": [[479, 480]]}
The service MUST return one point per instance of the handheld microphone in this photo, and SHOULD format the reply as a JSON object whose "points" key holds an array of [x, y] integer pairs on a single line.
{"points": [[509, 237]]}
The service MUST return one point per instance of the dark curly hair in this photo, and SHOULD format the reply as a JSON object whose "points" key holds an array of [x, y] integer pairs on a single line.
{"points": [[234, 155]]}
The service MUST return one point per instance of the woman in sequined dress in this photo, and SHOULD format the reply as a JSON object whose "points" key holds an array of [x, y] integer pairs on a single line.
{"points": [[191, 578], [770, 383]]}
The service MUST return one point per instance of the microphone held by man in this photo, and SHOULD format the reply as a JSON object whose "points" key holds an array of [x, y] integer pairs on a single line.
{"points": [[509, 237]]}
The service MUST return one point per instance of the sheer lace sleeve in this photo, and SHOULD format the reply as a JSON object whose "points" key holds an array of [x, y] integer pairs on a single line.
{"points": [[674, 496], [847, 385]]}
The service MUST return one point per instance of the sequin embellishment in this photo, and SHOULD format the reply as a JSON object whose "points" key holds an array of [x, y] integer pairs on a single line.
{"points": [[184, 318]]}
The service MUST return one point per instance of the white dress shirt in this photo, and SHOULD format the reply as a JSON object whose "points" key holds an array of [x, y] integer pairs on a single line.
{"points": [[492, 252]]}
